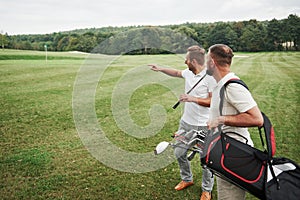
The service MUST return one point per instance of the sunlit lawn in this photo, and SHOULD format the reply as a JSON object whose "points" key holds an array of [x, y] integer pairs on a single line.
{"points": [[43, 157]]}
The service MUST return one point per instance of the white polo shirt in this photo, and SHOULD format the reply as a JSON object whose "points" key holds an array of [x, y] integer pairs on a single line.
{"points": [[194, 114], [237, 99]]}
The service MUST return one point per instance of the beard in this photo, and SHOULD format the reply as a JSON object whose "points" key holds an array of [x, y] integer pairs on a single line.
{"points": [[209, 72], [190, 67], [210, 68]]}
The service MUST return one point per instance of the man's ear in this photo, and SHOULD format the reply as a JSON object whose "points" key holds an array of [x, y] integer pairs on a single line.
{"points": [[194, 61], [214, 62]]}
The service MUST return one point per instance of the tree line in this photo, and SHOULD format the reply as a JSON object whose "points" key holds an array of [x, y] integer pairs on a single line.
{"points": [[248, 36]]}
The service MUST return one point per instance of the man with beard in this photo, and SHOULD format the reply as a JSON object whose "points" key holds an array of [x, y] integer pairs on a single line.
{"points": [[195, 115], [239, 109]]}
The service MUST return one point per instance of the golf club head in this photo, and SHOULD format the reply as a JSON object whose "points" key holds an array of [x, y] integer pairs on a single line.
{"points": [[161, 147]]}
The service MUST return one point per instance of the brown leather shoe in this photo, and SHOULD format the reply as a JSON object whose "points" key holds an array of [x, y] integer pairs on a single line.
{"points": [[206, 196], [183, 184]]}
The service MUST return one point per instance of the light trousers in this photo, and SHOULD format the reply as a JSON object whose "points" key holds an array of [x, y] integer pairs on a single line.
{"points": [[184, 164], [228, 191]]}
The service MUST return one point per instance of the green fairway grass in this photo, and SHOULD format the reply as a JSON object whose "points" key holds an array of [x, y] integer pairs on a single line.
{"points": [[43, 157]]}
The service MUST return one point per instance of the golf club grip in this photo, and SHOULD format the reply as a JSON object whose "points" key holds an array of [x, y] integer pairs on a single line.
{"points": [[176, 105]]}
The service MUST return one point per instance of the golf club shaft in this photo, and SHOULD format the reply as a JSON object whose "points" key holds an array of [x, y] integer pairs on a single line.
{"points": [[178, 102], [191, 155], [176, 105]]}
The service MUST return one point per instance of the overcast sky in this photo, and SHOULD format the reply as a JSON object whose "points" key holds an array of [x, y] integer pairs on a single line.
{"points": [[48, 16]]}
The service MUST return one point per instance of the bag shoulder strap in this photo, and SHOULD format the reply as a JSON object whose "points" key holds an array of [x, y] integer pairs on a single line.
{"points": [[269, 136], [267, 126], [234, 80]]}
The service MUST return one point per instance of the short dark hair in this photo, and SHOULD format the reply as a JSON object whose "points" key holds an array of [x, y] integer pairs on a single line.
{"points": [[197, 53], [221, 53]]}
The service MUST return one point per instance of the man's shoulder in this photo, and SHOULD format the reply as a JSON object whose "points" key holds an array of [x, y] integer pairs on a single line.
{"points": [[236, 81], [228, 77], [185, 73], [236, 88]]}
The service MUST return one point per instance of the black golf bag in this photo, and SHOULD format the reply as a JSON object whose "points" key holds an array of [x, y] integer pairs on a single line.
{"points": [[251, 169]]}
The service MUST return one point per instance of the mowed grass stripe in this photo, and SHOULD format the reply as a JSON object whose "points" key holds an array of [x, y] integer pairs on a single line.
{"points": [[38, 104], [141, 101], [287, 119], [26, 70]]}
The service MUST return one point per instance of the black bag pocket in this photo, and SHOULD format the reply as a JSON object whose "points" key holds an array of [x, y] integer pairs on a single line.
{"points": [[236, 162]]}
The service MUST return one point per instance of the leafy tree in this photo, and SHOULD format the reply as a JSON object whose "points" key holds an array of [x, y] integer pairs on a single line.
{"points": [[4, 40], [274, 39], [253, 37], [63, 43], [292, 31], [187, 31], [249, 35], [56, 40], [74, 44], [86, 42], [202, 36], [223, 33]]}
